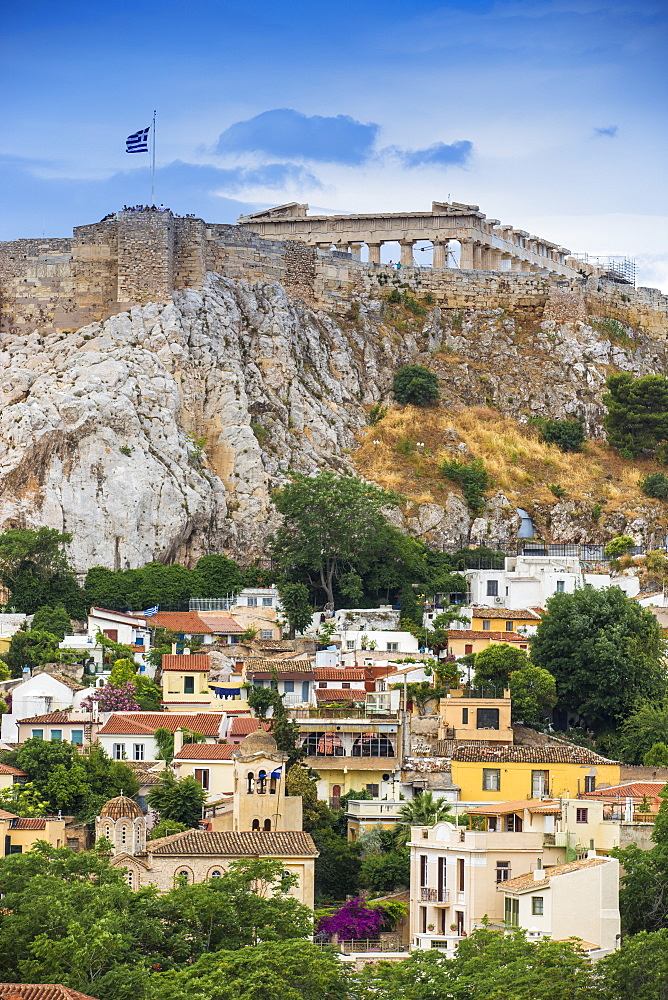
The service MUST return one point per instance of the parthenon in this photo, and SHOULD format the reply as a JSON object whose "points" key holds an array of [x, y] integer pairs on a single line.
{"points": [[458, 233]]}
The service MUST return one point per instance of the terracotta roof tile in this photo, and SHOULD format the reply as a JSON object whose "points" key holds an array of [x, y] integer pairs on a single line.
{"points": [[632, 789], [340, 694], [187, 622], [29, 823], [301, 666], [274, 843], [469, 633], [524, 615], [222, 624], [544, 807], [133, 619], [197, 662], [339, 674], [529, 755], [522, 883], [143, 723], [49, 717], [40, 991], [205, 751], [67, 681], [8, 769], [243, 726]]}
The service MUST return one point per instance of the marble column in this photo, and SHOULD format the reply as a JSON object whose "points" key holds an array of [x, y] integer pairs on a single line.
{"points": [[406, 253], [466, 255], [357, 250], [374, 252], [440, 254], [478, 263]]}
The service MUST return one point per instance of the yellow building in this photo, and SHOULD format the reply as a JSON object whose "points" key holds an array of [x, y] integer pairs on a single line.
{"points": [[19, 834], [10, 776], [210, 764], [462, 641], [185, 683], [495, 774], [485, 719], [504, 620]]}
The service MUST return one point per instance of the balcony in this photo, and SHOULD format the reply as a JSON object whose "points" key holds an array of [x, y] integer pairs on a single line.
{"points": [[341, 713], [434, 895]]}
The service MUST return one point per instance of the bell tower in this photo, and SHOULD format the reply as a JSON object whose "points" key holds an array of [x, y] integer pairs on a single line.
{"points": [[260, 802]]}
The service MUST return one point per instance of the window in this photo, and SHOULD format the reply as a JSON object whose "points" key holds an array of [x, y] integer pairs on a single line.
{"points": [[255, 825], [183, 875], [188, 685], [251, 602], [560, 586], [288, 686], [322, 684], [492, 588], [323, 745], [129, 876], [486, 625], [137, 751], [460, 874], [509, 626], [590, 783], [511, 913], [124, 834], [118, 751], [215, 873], [77, 737], [393, 647], [424, 869], [423, 919], [372, 745], [266, 634], [491, 779], [441, 882], [502, 871], [373, 790], [350, 643], [487, 718], [513, 823], [267, 602], [345, 684], [202, 777], [465, 716], [56, 734], [261, 782], [581, 815], [468, 648], [267, 824], [38, 734], [107, 831], [540, 783], [111, 633], [537, 906]]}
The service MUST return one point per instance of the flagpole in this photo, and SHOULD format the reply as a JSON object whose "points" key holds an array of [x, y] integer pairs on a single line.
{"points": [[153, 165]]}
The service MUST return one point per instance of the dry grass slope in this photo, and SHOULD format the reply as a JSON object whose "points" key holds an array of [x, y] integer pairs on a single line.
{"points": [[405, 449]]}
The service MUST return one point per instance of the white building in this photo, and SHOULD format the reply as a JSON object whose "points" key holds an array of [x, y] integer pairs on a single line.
{"points": [[527, 581], [377, 643], [39, 695], [131, 735]]}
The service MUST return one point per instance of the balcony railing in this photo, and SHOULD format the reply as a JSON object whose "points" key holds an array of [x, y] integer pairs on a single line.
{"points": [[428, 895], [340, 713]]}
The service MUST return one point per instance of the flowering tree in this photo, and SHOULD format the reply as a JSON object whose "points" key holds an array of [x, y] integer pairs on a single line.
{"points": [[353, 921], [113, 698]]}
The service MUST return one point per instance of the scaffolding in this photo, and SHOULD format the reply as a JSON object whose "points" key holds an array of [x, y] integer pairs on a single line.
{"points": [[613, 268]]}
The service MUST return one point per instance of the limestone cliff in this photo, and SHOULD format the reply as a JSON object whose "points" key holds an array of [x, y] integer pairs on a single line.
{"points": [[159, 433]]}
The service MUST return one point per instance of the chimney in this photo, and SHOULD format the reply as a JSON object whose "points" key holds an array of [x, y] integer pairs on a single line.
{"points": [[178, 741], [591, 853], [539, 873]]}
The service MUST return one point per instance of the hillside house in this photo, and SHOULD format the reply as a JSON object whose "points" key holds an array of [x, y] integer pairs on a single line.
{"points": [[185, 682], [10, 776], [130, 735], [72, 726], [19, 834], [41, 694], [476, 719], [210, 764], [295, 678], [462, 642]]}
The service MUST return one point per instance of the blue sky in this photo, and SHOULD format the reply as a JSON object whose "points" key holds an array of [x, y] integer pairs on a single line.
{"points": [[549, 114]]}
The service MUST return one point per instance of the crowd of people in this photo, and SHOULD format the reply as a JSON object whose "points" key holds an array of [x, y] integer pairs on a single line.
{"points": [[147, 208]]}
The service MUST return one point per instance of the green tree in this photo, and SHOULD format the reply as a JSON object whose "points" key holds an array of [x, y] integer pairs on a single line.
{"points": [[216, 576], [164, 739], [474, 479], [181, 801], [495, 664], [386, 871], [35, 570], [421, 693], [656, 756], [337, 869], [655, 485], [329, 523], [123, 670], [618, 546], [165, 828], [31, 649], [297, 608], [55, 621], [23, 800], [604, 651], [287, 734], [637, 417], [149, 695], [533, 692], [415, 385], [646, 726], [260, 700], [424, 810], [568, 435], [639, 969]]}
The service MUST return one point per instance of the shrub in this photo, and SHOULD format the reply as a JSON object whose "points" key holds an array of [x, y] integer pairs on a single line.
{"points": [[376, 414], [474, 479], [656, 756], [416, 385], [618, 546], [568, 435], [655, 485], [557, 490]]}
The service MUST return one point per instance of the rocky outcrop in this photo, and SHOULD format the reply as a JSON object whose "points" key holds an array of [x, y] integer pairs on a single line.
{"points": [[160, 433]]}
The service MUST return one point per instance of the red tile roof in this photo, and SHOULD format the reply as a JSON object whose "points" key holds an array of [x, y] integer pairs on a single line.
{"points": [[339, 674], [146, 723], [67, 681], [301, 666], [8, 769], [632, 789], [40, 991], [198, 662], [133, 619], [205, 751], [340, 694], [525, 615], [529, 755], [243, 726], [29, 823], [522, 883], [274, 843], [49, 717], [188, 622], [221, 624]]}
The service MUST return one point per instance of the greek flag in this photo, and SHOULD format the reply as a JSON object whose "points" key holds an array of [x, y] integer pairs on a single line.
{"points": [[138, 141], [276, 773], [151, 611]]}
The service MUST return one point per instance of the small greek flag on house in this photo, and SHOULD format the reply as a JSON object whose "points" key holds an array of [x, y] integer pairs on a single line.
{"points": [[151, 611], [138, 141], [276, 773]]}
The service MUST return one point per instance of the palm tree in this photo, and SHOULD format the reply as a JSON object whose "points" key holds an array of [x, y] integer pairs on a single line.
{"points": [[423, 810]]}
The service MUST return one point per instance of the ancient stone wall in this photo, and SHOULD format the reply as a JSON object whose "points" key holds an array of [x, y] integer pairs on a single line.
{"points": [[137, 257]]}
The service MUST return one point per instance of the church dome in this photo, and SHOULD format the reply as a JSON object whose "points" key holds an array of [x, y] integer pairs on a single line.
{"points": [[120, 808], [258, 741]]}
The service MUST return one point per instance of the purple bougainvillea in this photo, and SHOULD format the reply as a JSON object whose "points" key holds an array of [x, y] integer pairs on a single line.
{"points": [[353, 921], [121, 698]]}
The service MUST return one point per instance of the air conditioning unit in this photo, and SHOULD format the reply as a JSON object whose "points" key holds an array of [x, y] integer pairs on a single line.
{"points": [[498, 600]]}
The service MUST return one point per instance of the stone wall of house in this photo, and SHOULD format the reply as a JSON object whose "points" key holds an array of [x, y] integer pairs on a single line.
{"points": [[139, 257]]}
